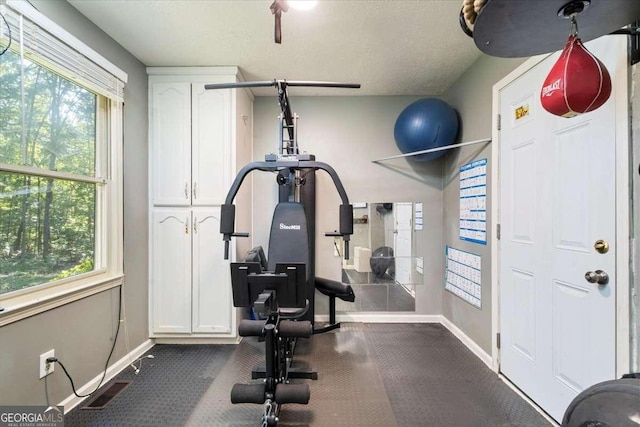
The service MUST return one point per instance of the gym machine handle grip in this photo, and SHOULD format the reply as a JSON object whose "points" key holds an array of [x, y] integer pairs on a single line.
{"points": [[227, 219], [240, 235], [227, 225], [346, 225], [346, 219]]}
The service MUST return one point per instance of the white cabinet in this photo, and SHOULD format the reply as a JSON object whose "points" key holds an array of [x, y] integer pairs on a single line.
{"points": [[211, 288], [170, 143], [210, 149], [190, 293], [170, 273], [197, 140], [190, 142]]}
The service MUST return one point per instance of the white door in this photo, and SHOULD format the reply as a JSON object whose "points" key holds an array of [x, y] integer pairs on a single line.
{"points": [[212, 303], [211, 145], [171, 271], [403, 213], [557, 198], [171, 139]]}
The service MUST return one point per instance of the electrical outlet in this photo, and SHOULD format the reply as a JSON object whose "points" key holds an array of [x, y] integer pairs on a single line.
{"points": [[46, 368]]}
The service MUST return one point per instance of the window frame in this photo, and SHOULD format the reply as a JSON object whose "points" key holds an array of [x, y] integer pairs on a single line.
{"points": [[108, 179]]}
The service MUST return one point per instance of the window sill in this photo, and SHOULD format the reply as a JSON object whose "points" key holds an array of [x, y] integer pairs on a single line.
{"points": [[30, 304]]}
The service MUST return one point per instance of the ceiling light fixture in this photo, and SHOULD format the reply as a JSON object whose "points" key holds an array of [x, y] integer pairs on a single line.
{"points": [[279, 6], [303, 4]]}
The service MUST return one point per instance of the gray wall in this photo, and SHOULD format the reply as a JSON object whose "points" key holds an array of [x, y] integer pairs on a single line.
{"points": [[82, 332], [471, 96], [635, 198], [348, 133]]}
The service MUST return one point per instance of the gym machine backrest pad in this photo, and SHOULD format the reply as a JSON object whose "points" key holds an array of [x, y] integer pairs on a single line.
{"points": [[289, 238], [288, 256]]}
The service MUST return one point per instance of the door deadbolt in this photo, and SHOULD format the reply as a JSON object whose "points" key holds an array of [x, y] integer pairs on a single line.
{"points": [[600, 277], [601, 246]]}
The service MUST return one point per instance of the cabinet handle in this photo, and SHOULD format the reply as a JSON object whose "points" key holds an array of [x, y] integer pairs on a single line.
{"points": [[186, 190], [195, 224], [186, 226], [195, 190]]}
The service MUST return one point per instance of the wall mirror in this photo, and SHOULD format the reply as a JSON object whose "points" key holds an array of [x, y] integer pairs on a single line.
{"points": [[382, 268]]}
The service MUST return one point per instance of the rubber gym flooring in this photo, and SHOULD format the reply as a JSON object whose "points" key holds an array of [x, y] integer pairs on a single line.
{"points": [[368, 375]]}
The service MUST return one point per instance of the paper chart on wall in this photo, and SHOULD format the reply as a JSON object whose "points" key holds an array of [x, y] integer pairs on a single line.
{"points": [[473, 202], [419, 222], [463, 272]]}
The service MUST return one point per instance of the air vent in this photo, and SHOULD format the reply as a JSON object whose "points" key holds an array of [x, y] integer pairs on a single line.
{"points": [[107, 395]]}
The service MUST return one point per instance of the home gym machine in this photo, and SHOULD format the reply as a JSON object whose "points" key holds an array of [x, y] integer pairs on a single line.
{"points": [[280, 289]]}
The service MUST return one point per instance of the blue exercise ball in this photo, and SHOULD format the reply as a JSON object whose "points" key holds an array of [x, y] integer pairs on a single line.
{"points": [[425, 124]]}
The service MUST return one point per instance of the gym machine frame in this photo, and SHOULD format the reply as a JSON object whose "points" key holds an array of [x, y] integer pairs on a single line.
{"points": [[270, 292], [296, 180]]}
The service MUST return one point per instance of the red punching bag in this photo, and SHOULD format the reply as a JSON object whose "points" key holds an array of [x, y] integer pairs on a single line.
{"points": [[578, 82]]}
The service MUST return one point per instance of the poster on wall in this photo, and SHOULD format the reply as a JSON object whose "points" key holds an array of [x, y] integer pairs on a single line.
{"points": [[463, 271], [473, 202], [419, 223]]}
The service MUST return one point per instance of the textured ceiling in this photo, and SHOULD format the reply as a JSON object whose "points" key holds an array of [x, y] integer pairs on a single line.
{"points": [[391, 47]]}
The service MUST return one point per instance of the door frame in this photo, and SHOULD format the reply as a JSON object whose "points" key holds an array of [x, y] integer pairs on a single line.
{"points": [[623, 211], [409, 206]]}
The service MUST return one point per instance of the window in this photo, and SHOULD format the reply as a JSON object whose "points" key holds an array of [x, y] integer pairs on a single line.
{"points": [[60, 162]]}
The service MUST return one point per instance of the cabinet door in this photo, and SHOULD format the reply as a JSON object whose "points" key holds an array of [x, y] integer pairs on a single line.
{"points": [[211, 145], [212, 306], [171, 143], [171, 271]]}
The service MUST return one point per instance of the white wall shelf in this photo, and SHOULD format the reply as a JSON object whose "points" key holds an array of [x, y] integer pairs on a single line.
{"points": [[433, 150]]}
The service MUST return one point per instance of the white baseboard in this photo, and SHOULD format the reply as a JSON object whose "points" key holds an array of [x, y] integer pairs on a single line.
{"points": [[72, 401], [471, 345], [196, 340], [373, 317]]}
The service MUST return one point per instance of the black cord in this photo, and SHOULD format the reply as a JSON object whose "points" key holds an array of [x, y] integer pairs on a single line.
{"points": [[9, 29], [104, 374]]}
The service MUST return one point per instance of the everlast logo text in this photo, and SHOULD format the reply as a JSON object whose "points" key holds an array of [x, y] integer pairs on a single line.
{"points": [[550, 88], [289, 227]]}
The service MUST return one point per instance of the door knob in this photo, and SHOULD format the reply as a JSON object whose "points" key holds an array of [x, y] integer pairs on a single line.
{"points": [[601, 246], [600, 277]]}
